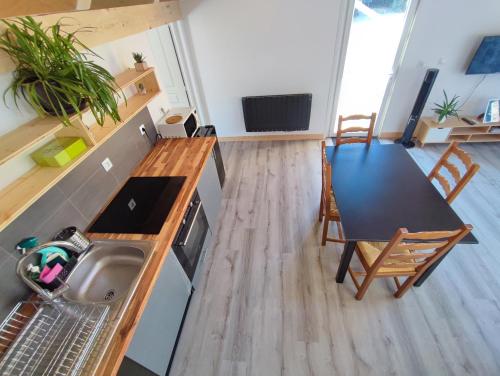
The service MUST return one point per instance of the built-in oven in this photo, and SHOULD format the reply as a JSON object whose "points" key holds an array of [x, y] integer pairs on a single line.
{"points": [[190, 239]]}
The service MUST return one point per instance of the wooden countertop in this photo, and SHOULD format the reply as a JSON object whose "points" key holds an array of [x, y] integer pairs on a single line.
{"points": [[171, 157]]}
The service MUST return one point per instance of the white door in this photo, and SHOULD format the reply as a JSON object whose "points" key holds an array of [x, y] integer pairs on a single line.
{"points": [[374, 41], [167, 64], [398, 60]]}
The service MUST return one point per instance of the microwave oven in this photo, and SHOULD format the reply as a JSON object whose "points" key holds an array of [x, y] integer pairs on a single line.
{"points": [[185, 127]]}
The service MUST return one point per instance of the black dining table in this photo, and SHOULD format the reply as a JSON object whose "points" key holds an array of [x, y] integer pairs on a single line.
{"points": [[380, 188]]}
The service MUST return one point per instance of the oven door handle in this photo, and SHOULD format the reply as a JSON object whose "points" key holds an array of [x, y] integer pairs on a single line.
{"points": [[183, 242]]}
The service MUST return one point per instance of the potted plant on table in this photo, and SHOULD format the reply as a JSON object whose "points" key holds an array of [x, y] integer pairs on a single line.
{"points": [[140, 62], [54, 73], [446, 109]]}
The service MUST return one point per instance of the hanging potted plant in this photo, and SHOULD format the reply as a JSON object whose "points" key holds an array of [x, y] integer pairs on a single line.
{"points": [[140, 62], [54, 73], [446, 109]]}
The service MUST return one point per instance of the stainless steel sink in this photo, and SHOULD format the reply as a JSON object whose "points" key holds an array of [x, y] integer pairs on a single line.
{"points": [[105, 274]]}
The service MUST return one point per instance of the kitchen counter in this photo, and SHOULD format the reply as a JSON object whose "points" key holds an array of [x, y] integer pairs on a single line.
{"points": [[170, 157]]}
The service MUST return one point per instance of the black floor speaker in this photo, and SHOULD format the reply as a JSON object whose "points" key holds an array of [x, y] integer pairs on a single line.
{"points": [[418, 107]]}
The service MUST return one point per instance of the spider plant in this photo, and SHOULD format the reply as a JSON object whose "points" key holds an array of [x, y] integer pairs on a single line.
{"points": [[54, 73], [138, 57], [447, 108]]}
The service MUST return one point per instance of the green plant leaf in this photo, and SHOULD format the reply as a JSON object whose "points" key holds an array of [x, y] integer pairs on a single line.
{"points": [[448, 107], [53, 71]]}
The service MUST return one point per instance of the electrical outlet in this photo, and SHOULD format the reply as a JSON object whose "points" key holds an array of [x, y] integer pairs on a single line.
{"points": [[106, 164], [142, 129]]}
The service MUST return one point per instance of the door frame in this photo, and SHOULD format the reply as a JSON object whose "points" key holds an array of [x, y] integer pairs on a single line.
{"points": [[338, 68], [342, 40], [411, 16], [189, 70]]}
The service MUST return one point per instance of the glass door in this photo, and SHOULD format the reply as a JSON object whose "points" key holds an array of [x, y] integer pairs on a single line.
{"points": [[374, 39]]}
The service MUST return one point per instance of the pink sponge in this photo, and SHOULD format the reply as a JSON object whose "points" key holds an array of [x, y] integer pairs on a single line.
{"points": [[49, 274]]}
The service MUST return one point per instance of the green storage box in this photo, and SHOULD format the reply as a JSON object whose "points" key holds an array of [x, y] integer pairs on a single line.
{"points": [[59, 152]]}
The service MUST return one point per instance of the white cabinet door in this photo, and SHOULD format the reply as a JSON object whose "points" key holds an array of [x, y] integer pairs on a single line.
{"points": [[157, 331], [210, 192], [205, 249], [437, 135]]}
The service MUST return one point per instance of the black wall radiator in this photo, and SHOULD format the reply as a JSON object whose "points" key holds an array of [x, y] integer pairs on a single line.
{"points": [[277, 112]]}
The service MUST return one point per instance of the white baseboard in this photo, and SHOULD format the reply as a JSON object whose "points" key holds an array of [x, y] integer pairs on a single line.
{"points": [[275, 137]]}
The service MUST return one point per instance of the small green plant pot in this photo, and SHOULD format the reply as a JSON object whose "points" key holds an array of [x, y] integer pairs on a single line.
{"points": [[141, 67]]}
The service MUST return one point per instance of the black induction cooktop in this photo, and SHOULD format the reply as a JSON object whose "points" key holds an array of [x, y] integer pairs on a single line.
{"points": [[141, 206]]}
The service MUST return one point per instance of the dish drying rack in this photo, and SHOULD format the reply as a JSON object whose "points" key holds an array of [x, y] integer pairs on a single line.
{"points": [[40, 338]]}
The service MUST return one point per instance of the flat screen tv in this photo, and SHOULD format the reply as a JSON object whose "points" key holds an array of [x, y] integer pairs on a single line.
{"points": [[486, 60]]}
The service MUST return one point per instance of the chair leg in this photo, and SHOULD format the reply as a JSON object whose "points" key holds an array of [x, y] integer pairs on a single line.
{"points": [[339, 230], [364, 286], [321, 207], [340, 239], [405, 286], [325, 230], [396, 280]]}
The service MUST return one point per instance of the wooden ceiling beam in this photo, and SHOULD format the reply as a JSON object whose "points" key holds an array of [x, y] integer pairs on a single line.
{"points": [[27, 7], [30, 7], [109, 24]]}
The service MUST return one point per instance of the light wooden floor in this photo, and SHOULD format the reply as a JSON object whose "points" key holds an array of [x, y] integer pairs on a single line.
{"points": [[268, 303]]}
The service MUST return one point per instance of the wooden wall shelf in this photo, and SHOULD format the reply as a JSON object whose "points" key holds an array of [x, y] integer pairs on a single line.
{"points": [[27, 135], [24, 191], [131, 76], [492, 137], [428, 131]]}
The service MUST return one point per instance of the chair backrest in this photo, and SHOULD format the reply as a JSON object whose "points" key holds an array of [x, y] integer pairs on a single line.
{"points": [[326, 170], [459, 179], [417, 250], [340, 139]]}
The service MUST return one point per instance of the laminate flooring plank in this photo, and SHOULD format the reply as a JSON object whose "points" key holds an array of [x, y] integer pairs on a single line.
{"points": [[268, 304]]}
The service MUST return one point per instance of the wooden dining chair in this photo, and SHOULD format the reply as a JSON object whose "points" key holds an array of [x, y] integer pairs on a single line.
{"points": [[327, 206], [460, 180], [406, 255], [341, 139]]}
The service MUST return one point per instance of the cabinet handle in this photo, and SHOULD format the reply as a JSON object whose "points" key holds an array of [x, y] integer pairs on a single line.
{"points": [[184, 242]]}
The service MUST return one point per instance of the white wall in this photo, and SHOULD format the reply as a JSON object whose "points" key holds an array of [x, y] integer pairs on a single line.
{"points": [[262, 47], [445, 36]]}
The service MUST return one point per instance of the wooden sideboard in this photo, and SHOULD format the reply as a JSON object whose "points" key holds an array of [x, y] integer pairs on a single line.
{"points": [[453, 129]]}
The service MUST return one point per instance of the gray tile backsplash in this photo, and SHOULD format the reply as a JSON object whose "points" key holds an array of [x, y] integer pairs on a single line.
{"points": [[74, 201], [4, 255], [11, 290], [94, 193], [14, 232], [125, 151], [77, 178], [66, 215]]}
